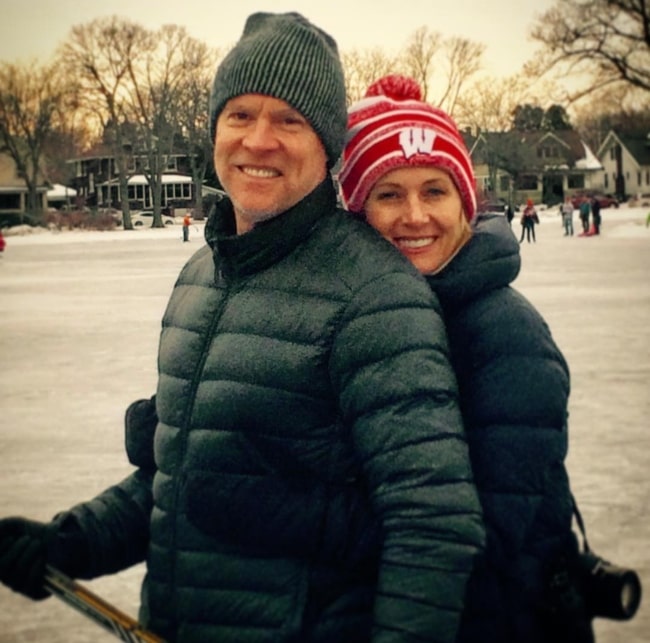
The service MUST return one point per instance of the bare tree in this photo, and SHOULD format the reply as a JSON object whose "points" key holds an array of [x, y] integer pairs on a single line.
{"points": [[29, 101], [608, 40], [99, 55], [417, 58], [362, 68], [191, 111], [154, 90], [463, 61], [460, 60], [70, 135], [489, 103]]}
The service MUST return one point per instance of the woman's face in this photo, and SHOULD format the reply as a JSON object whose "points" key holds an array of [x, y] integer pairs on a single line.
{"points": [[419, 210]]}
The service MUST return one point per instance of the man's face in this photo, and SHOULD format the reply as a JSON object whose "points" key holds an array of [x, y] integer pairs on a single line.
{"points": [[267, 157]]}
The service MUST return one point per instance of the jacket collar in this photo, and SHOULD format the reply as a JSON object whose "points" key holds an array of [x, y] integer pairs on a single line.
{"points": [[268, 242], [489, 260]]}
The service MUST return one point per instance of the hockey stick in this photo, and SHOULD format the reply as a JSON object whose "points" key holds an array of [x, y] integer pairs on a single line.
{"points": [[103, 613]]}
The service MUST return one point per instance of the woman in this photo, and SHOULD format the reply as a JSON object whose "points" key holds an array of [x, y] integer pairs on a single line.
{"points": [[407, 171], [528, 220], [566, 210]]}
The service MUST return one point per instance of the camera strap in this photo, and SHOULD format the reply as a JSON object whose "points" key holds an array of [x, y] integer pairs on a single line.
{"points": [[581, 524]]}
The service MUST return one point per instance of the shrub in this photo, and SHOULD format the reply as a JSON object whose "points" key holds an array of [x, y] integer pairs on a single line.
{"points": [[79, 219]]}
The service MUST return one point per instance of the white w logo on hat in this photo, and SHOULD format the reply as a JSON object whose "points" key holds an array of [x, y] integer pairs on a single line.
{"points": [[416, 140]]}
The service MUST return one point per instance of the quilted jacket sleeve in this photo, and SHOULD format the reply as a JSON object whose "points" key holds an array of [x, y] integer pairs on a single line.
{"points": [[106, 534], [398, 392], [111, 532]]}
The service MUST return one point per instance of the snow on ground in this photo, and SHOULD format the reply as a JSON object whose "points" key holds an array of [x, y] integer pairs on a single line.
{"points": [[78, 335]]}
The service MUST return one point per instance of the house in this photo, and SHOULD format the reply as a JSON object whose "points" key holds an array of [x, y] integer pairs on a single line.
{"points": [[97, 182], [626, 163], [13, 189], [544, 166], [178, 191]]}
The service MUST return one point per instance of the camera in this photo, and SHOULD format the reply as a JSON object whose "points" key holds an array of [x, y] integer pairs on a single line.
{"points": [[609, 591]]}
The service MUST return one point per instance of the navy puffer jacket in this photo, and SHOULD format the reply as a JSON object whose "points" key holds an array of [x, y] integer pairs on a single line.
{"points": [[304, 393], [514, 385]]}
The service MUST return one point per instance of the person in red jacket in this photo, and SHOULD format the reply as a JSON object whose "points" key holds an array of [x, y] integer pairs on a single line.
{"points": [[528, 220], [186, 226]]}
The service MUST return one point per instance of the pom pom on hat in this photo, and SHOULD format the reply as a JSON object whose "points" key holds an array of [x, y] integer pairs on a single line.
{"points": [[396, 87], [393, 128]]}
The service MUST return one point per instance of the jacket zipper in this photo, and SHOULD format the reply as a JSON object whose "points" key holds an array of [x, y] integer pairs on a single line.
{"points": [[227, 291]]}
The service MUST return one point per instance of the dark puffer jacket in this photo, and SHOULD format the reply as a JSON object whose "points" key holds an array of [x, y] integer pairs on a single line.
{"points": [[514, 386], [304, 392]]}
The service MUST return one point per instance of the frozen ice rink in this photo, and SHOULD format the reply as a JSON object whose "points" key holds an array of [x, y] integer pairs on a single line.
{"points": [[79, 323]]}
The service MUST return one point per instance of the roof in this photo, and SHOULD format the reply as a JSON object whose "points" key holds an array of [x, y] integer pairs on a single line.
{"points": [[578, 154], [58, 191], [636, 143], [141, 179]]}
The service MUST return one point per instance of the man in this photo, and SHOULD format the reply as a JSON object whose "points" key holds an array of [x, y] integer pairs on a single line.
{"points": [[585, 211], [566, 210], [187, 220], [595, 215], [308, 479]]}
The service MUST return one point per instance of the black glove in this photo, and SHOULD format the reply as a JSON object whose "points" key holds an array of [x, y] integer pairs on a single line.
{"points": [[23, 556]]}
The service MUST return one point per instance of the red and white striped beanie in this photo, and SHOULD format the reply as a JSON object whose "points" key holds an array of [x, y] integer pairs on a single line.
{"points": [[393, 128]]}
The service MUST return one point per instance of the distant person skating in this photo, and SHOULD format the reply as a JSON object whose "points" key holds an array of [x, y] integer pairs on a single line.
{"points": [[528, 220], [566, 210], [187, 220], [595, 217], [585, 211]]}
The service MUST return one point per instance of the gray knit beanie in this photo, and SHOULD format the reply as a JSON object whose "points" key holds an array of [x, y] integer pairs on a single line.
{"points": [[285, 56]]}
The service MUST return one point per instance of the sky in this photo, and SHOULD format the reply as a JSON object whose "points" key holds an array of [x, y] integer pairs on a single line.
{"points": [[32, 29]]}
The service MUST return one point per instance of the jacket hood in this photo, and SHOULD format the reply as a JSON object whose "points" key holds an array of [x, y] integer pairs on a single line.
{"points": [[488, 261]]}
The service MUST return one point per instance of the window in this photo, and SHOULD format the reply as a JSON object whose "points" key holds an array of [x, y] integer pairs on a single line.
{"points": [[576, 181], [9, 201], [548, 152], [527, 182]]}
